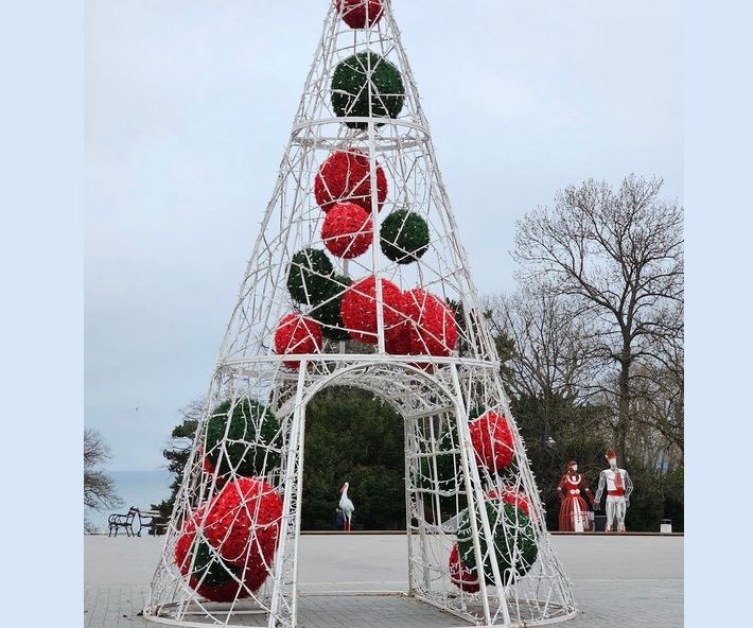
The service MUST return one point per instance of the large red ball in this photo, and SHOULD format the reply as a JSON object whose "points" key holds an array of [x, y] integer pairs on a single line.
{"points": [[359, 310], [228, 592], [492, 441], [296, 333], [347, 230], [354, 12], [243, 523], [397, 342], [346, 176], [460, 574], [185, 541], [511, 495], [431, 327], [248, 578]]}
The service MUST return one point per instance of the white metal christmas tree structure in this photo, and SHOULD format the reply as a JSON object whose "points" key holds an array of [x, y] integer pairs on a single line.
{"points": [[358, 278]]}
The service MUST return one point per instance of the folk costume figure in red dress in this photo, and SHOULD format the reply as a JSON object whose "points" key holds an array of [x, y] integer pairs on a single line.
{"points": [[618, 485], [573, 510]]}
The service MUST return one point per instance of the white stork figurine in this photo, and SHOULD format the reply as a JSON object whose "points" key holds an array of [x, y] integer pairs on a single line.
{"points": [[346, 506]]}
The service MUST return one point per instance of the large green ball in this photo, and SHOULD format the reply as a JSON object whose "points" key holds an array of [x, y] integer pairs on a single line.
{"points": [[309, 276], [251, 439], [209, 568], [350, 88], [404, 236], [514, 541], [328, 312]]}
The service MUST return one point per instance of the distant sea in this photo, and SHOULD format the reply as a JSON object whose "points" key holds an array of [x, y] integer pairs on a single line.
{"points": [[136, 488]]}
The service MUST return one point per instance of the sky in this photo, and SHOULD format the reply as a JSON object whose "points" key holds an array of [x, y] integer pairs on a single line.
{"points": [[188, 108]]}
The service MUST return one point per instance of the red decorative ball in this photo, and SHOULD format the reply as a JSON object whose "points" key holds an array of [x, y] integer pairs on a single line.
{"points": [[511, 495], [296, 333], [359, 310], [347, 230], [492, 441], [354, 12], [397, 342], [346, 176], [233, 583], [431, 327], [460, 575], [243, 523], [227, 592], [183, 545], [211, 576]]}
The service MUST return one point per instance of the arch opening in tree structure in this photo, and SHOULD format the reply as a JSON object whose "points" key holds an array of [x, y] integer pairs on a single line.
{"points": [[446, 493]]}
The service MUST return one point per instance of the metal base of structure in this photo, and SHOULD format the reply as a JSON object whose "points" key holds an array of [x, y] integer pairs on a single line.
{"points": [[357, 610]]}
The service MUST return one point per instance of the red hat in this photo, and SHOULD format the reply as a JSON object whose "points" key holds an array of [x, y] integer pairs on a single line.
{"points": [[610, 454], [570, 464]]}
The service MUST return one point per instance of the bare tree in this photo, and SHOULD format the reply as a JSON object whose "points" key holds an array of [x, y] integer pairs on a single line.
{"points": [[658, 400], [551, 350], [617, 260], [99, 488]]}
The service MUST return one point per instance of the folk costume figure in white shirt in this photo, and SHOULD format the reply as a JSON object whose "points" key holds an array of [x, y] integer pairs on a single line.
{"points": [[618, 486], [573, 509]]}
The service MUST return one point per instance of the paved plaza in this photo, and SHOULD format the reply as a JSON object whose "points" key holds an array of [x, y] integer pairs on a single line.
{"points": [[628, 581]]}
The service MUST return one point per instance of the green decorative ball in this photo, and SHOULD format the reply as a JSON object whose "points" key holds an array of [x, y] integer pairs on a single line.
{"points": [[514, 541], [404, 236], [309, 276], [350, 88], [209, 568], [251, 439], [328, 312]]}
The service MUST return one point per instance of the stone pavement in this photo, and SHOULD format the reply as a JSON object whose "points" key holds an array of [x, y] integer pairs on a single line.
{"points": [[620, 581]]}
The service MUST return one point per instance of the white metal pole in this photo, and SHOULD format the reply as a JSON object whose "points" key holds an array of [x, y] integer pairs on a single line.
{"points": [[293, 451]]}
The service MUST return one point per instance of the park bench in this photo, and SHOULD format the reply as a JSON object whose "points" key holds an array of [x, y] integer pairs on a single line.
{"points": [[153, 522], [117, 521]]}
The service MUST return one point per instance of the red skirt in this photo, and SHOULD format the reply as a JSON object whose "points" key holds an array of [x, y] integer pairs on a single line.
{"points": [[574, 514]]}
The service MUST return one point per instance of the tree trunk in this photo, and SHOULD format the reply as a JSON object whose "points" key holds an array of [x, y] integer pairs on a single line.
{"points": [[623, 412]]}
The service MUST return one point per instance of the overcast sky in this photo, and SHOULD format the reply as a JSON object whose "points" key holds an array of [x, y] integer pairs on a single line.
{"points": [[189, 105]]}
